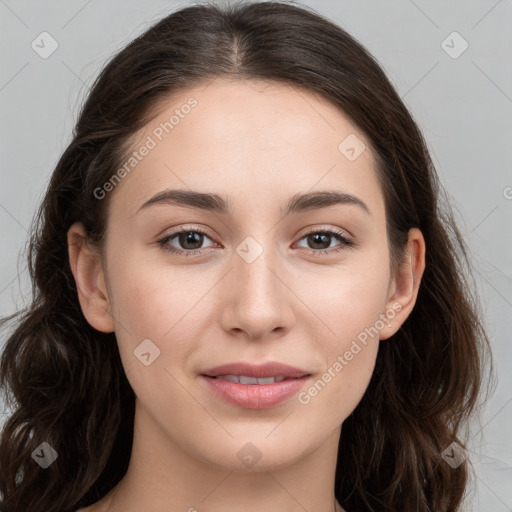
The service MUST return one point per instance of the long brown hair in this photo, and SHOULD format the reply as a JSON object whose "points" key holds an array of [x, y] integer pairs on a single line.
{"points": [[64, 380]]}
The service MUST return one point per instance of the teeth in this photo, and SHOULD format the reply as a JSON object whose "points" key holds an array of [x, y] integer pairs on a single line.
{"points": [[268, 380], [248, 380], [242, 379], [231, 378]]}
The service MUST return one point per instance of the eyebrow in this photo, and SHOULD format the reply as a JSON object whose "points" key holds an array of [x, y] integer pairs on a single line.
{"points": [[218, 204]]}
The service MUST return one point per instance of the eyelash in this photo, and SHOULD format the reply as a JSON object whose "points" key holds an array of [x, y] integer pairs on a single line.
{"points": [[338, 235]]}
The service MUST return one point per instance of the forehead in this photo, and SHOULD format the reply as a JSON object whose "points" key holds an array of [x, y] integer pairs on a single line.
{"points": [[246, 138]]}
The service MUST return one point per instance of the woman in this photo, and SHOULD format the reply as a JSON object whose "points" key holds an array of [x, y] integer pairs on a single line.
{"points": [[316, 346]]}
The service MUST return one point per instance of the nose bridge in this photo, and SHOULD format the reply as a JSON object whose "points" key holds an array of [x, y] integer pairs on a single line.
{"points": [[252, 263], [257, 300]]}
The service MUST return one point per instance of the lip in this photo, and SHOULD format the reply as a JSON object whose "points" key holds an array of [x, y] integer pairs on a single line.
{"points": [[269, 369], [255, 396]]}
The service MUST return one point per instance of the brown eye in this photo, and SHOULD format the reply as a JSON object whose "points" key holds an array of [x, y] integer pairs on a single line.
{"points": [[319, 241], [190, 237], [189, 241]]}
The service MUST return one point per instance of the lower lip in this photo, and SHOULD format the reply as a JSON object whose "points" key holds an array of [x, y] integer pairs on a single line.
{"points": [[255, 396]]}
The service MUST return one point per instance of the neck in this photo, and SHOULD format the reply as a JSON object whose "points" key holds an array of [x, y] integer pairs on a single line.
{"points": [[164, 475]]}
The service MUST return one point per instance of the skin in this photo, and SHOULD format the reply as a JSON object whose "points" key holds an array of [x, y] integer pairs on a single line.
{"points": [[258, 143]]}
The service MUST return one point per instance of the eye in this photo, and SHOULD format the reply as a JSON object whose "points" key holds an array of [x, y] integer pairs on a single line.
{"points": [[324, 239], [186, 238]]}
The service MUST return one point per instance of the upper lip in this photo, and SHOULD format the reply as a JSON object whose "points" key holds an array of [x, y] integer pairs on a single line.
{"points": [[270, 369]]}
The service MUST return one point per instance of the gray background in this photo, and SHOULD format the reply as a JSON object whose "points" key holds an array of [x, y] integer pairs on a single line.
{"points": [[463, 105]]}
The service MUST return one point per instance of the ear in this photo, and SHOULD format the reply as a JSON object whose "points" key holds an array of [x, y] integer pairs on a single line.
{"points": [[404, 286], [87, 270]]}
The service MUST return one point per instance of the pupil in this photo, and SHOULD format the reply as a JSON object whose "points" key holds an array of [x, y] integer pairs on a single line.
{"points": [[191, 237], [317, 236]]}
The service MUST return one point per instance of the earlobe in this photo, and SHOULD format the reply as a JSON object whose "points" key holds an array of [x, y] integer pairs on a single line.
{"points": [[87, 270], [405, 285]]}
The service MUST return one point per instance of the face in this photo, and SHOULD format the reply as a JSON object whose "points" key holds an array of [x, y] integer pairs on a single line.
{"points": [[191, 288]]}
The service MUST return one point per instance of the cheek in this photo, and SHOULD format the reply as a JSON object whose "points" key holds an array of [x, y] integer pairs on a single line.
{"points": [[152, 337], [348, 310], [150, 298], [158, 303], [349, 359], [348, 299]]}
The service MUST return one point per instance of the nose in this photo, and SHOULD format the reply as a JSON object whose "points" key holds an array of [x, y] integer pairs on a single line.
{"points": [[255, 299]]}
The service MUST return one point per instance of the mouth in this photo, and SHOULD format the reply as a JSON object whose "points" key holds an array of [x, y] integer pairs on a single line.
{"points": [[252, 392], [247, 380], [247, 371], [254, 386]]}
